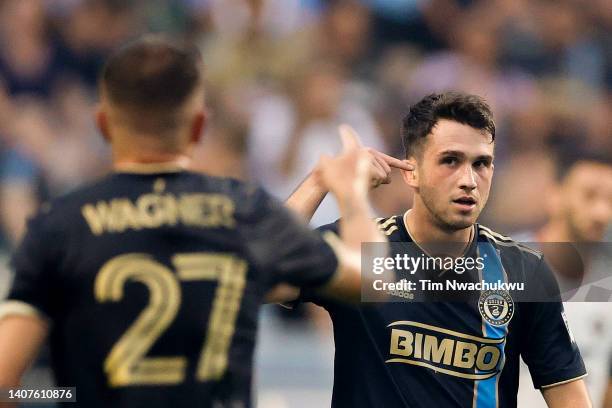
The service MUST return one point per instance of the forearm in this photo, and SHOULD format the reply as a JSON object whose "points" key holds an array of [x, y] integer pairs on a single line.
{"points": [[356, 223], [18, 203], [570, 395], [282, 293], [307, 197], [20, 339], [356, 227]]}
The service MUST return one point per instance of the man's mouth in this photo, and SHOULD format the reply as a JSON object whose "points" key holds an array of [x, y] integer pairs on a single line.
{"points": [[466, 203]]}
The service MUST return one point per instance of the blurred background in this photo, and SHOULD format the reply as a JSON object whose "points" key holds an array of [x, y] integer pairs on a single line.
{"points": [[282, 75]]}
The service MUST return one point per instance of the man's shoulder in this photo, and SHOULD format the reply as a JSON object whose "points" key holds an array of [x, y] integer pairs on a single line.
{"points": [[63, 206], [230, 185], [391, 227], [509, 247], [116, 186]]}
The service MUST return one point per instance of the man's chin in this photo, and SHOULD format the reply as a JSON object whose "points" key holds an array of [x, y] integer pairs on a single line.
{"points": [[461, 222], [462, 225]]}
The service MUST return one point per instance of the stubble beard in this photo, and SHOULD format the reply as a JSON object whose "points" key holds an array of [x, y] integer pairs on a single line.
{"points": [[443, 222], [575, 230]]}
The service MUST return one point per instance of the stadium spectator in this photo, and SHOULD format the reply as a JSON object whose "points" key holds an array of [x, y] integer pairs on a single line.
{"points": [[579, 205]]}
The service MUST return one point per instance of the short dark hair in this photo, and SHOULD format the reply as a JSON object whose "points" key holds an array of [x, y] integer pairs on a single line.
{"points": [[566, 159], [152, 74], [467, 109]]}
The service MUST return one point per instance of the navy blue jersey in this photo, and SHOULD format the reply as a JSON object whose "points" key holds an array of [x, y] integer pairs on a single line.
{"points": [[152, 283], [447, 354]]}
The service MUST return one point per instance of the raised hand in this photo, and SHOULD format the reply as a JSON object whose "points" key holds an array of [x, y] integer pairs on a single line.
{"points": [[348, 172], [378, 164], [338, 174]]}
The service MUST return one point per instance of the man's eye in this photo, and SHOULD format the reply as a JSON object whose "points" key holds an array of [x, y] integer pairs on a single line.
{"points": [[481, 163], [449, 160]]}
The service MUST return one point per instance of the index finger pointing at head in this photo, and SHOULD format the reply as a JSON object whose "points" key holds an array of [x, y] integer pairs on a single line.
{"points": [[350, 138], [397, 163]]}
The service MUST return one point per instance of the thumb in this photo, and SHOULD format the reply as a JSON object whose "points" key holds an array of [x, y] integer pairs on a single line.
{"points": [[350, 138]]}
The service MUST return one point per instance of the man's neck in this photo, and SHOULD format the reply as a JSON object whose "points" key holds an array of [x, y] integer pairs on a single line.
{"points": [[143, 161], [131, 148], [127, 156], [432, 238]]}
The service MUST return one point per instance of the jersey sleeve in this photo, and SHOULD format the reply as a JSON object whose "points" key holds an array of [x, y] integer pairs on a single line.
{"points": [[33, 264], [283, 246], [311, 294], [550, 352]]}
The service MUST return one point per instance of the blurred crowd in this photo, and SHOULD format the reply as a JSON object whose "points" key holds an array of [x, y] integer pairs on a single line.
{"points": [[284, 73]]}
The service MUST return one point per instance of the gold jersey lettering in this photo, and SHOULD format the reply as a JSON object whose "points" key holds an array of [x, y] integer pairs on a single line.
{"points": [[151, 210], [438, 352], [465, 354], [445, 351], [401, 342], [97, 216], [157, 210], [494, 355], [124, 215]]}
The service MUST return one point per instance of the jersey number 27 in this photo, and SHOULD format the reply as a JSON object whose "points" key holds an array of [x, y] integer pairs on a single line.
{"points": [[126, 363]]}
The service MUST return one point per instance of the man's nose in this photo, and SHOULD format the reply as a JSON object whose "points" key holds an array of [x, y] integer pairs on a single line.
{"points": [[468, 179]]}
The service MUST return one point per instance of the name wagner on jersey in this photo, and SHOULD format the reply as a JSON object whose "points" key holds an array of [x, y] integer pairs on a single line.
{"points": [[152, 210]]}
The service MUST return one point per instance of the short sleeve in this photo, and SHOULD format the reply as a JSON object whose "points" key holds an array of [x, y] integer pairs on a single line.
{"points": [[283, 246], [311, 294], [550, 351], [33, 265]]}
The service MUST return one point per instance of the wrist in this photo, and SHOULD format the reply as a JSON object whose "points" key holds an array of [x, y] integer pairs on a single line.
{"points": [[315, 184], [350, 200], [352, 193]]}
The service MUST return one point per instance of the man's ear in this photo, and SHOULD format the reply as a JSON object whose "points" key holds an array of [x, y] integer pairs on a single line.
{"points": [[102, 123], [197, 127], [411, 177]]}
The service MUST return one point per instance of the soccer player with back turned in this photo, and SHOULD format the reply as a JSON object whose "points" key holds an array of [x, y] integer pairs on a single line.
{"points": [[149, 281]]}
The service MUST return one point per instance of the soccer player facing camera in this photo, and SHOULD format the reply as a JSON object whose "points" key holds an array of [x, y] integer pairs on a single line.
{"points": [[450, 354], [149, 281]]}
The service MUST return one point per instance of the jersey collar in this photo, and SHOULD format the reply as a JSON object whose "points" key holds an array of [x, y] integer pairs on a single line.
{"points": [[174, 166], [469, 246]]}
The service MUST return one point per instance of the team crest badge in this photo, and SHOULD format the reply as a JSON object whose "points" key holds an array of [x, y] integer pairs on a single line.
{"points": [[496, 307]]}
